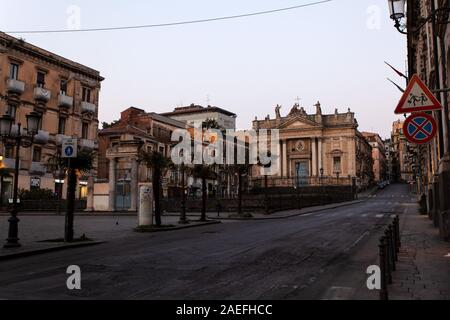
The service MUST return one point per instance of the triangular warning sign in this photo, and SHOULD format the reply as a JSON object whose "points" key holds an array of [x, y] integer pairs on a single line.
{"points": [[417, 97]]}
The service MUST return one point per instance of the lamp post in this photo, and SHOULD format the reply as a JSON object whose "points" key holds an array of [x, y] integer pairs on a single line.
{"points": [[17, 139], [321, 176]]}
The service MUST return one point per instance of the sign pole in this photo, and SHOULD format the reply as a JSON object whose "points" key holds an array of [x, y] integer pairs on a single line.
{"points": [[69, 151]]}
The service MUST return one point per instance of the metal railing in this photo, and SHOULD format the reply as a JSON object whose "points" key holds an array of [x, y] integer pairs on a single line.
{"points": [[300, 181], [389, 247]]}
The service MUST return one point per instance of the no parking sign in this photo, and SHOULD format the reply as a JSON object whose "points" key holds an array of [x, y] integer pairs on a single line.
{"points": [[420, 128]]}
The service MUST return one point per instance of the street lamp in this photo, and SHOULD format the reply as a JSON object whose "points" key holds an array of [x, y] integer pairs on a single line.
{"points": [[17, 139], [321, 175], [398, 14], [397, 9]]}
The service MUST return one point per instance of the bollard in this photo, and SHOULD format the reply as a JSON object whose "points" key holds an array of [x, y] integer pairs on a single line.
{"points": [[388, 257], [397, 230], [392, 247], [382, 253]]}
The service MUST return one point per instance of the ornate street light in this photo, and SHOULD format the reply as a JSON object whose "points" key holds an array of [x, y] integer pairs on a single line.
{"points": [[398, 14], [397, 9], [17, 139]]}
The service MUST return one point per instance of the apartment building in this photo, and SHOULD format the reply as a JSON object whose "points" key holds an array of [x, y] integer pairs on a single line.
{"points": [[65, 94]]}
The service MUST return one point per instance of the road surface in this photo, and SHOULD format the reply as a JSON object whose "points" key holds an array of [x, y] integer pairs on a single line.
{"points": [[322, 255]]}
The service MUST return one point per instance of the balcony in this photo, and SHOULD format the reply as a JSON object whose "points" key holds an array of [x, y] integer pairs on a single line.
{"points": [[60, 137], [87, 107], [42, 94], [65, 101], [42, 137], [9, 163], [38, 168], [15, 86], [87, 144]]}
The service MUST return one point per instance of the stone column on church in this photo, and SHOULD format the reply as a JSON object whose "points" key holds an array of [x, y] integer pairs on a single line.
{"points": [[284, 171], [134, 184], [112, 184], [314, 157], [320, 154]]}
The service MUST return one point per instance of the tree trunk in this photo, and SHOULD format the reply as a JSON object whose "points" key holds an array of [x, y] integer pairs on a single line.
{"points": [[156, 194], [71, 188], [203, 216]]}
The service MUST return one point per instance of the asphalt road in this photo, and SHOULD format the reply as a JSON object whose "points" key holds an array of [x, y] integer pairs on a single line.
{"points": [[321, 255]]}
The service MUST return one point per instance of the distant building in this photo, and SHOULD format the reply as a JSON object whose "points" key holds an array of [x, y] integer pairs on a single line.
{"points": [[65, 93], [402, 165], [320, 148], [197, 114], [119, 146], [388, 153], [378, 155]]}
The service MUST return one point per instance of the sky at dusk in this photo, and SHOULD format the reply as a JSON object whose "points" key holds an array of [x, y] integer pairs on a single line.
{"points": [[331, 52]]}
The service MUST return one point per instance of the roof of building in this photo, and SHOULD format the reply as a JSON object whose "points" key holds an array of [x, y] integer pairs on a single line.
{"points": [[193, 108], [20, 44]]}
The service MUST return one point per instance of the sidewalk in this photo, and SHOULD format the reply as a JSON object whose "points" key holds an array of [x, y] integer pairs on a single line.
{"points": [[423, 269], [35, 229]]}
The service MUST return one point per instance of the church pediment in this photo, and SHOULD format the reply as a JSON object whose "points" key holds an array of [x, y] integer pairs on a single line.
{"points": [[298, 122]]}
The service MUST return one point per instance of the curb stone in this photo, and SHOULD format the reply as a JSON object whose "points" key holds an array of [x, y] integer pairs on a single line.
{"points": [[27, 253]]}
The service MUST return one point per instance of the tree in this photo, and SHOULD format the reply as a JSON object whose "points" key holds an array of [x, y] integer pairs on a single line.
{"points": [[159, 165], [83, 163], [106, 125], [240, 170], [210, 124], [203, 172]]}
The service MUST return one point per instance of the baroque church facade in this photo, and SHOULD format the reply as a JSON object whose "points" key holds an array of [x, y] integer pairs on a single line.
{"points": [[319, 148]]}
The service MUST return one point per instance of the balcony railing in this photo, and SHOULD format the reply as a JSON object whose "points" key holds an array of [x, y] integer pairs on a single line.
{"points": [[87, 107], [65, 101], [60, 137], [87, 144], [15, 86], [42, 137], [38, 168], [292, 182], [9, 163], [42, 94]]}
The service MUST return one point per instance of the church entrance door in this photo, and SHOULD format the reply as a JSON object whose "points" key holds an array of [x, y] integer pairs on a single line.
{"points": [[302, 172]]}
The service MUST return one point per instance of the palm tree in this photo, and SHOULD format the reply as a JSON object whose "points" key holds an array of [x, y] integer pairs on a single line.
{"points": [[240, 170], [159, 165], [203, 172], [83, 163]]}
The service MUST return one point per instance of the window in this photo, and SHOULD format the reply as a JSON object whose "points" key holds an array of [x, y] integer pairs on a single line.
{"points": [[11, 111], [63, 87], [40, 79], [37, 154], [161, 150], [86, 95], [9, 151], [84, 130], [336, 164], [14, 71], [62, 126]]}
